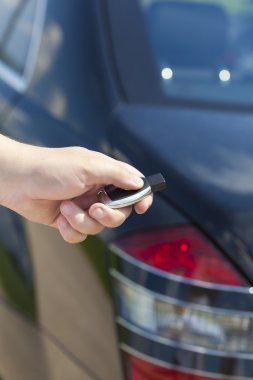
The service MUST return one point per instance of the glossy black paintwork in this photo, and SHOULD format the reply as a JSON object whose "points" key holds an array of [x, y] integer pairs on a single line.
{"points": [[206, 158], [31, 119], [77, 97], [75, 71], [203, 148]]}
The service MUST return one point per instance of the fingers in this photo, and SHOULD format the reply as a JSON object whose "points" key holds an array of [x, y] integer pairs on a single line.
{"points": [[68, 233], [75, 223], [109, 217], [79, 219], [142, 206], [110, 171]]}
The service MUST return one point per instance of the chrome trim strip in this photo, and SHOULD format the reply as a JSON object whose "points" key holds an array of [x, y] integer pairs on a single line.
{"points": [[199, 307], [10, 76], [181, 345], [139, 264], [124, 347]]}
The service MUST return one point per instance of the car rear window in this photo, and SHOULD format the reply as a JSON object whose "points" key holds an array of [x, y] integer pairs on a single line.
{"points": [[203, 49]]}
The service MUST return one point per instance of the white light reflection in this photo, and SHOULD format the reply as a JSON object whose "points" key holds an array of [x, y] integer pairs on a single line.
{"points": [[224, 75], [167, 73]]}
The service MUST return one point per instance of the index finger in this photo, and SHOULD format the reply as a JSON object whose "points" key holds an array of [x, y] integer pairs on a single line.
{"points": [[107, 170]]}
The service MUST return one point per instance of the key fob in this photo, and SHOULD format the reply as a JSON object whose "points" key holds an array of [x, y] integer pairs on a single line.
{"points": [[115, 197]]}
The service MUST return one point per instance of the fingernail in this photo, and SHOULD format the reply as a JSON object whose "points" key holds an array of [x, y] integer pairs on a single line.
{"points": [[98, 213], [67, 209], [137, 181]]}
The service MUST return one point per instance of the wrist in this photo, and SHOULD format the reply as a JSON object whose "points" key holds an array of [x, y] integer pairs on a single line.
{"points": [[12, 168]]}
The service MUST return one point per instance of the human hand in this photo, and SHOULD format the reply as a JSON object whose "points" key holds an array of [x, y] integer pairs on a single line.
{"points": [[58, 187]]}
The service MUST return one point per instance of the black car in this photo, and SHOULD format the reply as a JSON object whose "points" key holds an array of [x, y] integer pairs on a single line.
{"points": [[168, 87]]}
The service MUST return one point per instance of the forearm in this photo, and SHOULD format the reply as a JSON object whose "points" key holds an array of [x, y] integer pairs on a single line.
{"points": [[12, 167]]}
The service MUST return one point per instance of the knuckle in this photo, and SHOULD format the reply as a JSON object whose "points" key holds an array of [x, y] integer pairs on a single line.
{"points": [[79, 223], [72, 236]]}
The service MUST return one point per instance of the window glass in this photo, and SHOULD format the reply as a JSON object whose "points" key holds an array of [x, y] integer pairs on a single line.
{"points": [[203, 48], [16, 27]]}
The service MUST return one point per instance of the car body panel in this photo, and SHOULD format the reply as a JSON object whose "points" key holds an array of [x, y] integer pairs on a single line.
{"points": [[209, 165], [27, 353], [73, 303], [69, 299], [60, 324]]}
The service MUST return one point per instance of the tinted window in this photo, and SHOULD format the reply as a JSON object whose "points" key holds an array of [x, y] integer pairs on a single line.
{"points": [[203, 49], [16, 27]]}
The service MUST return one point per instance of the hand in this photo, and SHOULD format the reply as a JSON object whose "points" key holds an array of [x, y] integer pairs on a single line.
{"points": [[58, 187]]}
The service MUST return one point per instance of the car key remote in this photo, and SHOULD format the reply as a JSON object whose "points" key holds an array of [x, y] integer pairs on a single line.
{"points": [[114, 197]]}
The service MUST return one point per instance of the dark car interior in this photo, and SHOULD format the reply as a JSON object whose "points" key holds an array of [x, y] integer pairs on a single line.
{"points": [[185, 36]]}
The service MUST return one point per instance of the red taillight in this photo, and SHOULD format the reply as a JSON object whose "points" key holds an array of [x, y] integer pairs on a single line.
{"points": [[182, 251], [173, 315], [143, 370]]}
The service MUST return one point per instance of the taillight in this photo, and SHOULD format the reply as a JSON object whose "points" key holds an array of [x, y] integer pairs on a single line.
{"points": [[140, 369], [182, 251], [182, 306]]}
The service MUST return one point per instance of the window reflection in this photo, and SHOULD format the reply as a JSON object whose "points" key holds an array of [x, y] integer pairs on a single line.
{"points": [[16, 25], [206, 46]]}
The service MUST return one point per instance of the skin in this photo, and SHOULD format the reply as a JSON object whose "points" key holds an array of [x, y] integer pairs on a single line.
{"points": [[58, 186]]}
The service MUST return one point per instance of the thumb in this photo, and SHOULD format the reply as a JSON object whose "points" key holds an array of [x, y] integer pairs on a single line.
{"points": [[107, 170]]}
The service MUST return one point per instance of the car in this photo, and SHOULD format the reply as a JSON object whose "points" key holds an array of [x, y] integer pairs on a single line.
{"points": [[166, 86]]}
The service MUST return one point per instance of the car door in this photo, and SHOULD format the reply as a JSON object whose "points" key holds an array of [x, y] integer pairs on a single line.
{"points": [[55, 312]]}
